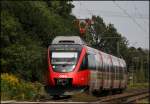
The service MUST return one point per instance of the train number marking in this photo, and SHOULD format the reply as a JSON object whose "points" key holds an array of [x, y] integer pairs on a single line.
{"points": [[62, 76]]}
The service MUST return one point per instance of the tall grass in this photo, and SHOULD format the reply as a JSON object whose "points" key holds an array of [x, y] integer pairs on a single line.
{"points": [[13, 88], [138, 85]]}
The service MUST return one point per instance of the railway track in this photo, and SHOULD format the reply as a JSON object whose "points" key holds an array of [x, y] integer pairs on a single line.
{"points": [[125, 98]]}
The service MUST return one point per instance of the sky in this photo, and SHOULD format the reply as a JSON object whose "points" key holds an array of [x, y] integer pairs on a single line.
{"points": [[130, 18]]}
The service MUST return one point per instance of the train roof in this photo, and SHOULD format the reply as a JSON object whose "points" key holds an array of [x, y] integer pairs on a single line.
{"points": [[68, 40]]}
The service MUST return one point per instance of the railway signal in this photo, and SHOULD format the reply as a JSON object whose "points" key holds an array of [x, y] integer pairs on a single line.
{"points": [[83, 25]]}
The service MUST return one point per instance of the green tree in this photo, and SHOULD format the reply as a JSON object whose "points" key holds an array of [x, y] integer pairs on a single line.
{"points": [[106, 38], [27, 28]]}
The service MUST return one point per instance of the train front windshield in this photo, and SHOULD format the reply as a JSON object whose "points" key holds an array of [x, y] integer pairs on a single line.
{"points": [[64, 59]]}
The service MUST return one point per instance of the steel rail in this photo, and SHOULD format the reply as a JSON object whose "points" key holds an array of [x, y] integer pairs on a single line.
{"points": [[125, 97]]}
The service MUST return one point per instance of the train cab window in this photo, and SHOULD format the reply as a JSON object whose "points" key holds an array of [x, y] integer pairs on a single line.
{"points": [[84, 64], [91, 62], [64, 61]]}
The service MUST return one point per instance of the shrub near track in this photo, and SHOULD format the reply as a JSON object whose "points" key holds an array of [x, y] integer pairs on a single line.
{"points": [[13, 88], [138, 85]]}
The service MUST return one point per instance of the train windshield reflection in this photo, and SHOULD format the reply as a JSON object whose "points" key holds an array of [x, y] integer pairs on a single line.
{"points": [[64, 61]]}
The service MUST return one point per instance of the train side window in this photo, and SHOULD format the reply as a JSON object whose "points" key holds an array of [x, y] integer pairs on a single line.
{"points": [[98, 62], [84, 64], [122, 73], [125, 69], [107, 67], [116, 72], [103, 67], [113, 72], [113, 68], [91, 62]]}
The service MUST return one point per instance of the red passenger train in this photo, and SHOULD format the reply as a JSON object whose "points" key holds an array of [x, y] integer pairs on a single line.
{"points": [[74, 66]]}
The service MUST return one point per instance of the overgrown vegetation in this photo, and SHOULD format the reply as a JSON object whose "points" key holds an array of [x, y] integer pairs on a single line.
{"points": [[138, 86], [28, 27], [17, 89]]}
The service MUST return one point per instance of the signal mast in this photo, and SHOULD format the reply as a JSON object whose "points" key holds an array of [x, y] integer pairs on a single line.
{"points": [[85, 25]]}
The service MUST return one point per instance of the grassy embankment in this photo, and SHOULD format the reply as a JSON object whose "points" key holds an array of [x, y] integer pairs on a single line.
{"points": [[13, 88]]}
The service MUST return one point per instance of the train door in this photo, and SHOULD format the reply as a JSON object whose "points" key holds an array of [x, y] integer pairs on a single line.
{"points": [[119, 74], [114, 72], [92, 68], [109, 71], [116, 78], [105, 71], [112, 76], [100, 70], [121, 71], [98, 79], [122, 79], [124, 75], [107, 81]]}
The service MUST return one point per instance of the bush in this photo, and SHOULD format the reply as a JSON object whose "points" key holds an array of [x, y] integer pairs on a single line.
{"points": [[138, 85], [13, 88]]}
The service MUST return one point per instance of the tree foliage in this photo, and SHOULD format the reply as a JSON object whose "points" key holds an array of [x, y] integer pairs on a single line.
{"points": [[27, 29], [107, 38]]}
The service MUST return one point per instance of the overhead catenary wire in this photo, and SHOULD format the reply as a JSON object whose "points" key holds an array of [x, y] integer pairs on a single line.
{"points": [[80, 9], [89, 12], [139, 13], [110, 13], [134, 20], [116, 14]]}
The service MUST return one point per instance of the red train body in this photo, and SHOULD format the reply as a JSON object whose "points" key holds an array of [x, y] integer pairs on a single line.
{"points": [[73, 64]]}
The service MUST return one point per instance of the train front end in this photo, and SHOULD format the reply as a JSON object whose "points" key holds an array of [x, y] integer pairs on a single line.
{"points": [[65, 69]]}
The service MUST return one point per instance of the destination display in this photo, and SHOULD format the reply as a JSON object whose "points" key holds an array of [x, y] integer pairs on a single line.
{"points": [[65, 48]]}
